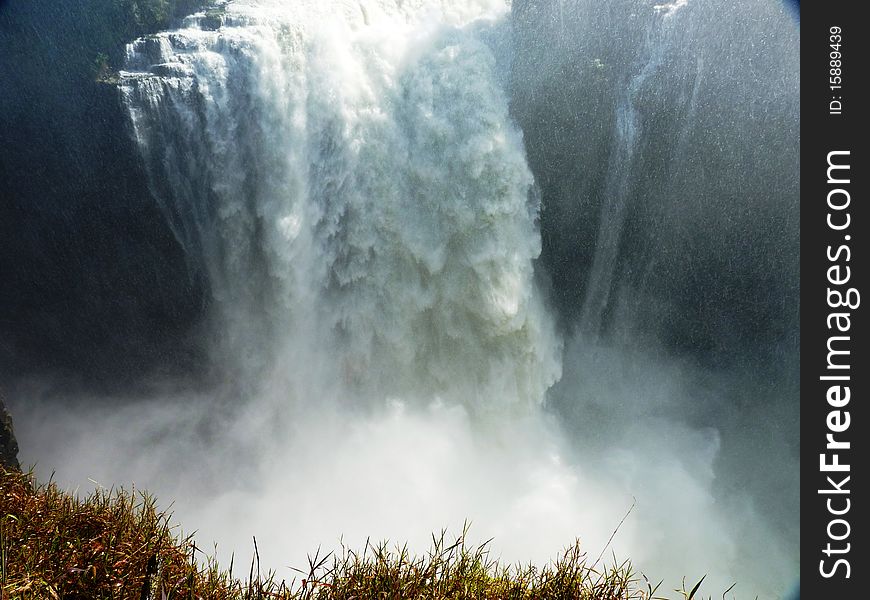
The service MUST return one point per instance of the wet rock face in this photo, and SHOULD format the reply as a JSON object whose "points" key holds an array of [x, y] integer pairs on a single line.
{"points": [[658, 158], [8, 445]]}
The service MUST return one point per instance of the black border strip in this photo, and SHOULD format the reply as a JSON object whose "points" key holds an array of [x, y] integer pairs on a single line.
{"points": [[834, 259]]}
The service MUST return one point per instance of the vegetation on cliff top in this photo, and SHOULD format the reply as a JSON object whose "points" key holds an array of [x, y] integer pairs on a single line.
{"points": [[118, 545], [130, 19]]}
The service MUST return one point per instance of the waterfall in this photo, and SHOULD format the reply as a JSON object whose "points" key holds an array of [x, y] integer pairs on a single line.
{"points": [[350, 177]]}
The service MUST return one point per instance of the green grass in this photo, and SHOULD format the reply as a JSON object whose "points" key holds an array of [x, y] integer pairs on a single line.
{"points": [[118, 545]]}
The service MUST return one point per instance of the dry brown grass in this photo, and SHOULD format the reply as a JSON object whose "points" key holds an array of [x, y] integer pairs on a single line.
{"points": [[118, 545]]}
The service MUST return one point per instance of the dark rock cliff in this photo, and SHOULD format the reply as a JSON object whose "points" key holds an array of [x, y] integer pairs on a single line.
{"points": [[94, 284], [8, 444]]}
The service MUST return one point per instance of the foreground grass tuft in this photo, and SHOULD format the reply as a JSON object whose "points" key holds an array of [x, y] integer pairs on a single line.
{"points": [[117, 545]]}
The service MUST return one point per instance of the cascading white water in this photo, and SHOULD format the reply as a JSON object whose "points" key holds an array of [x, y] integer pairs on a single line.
{"points": [[349, 176], [361, 199]]}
